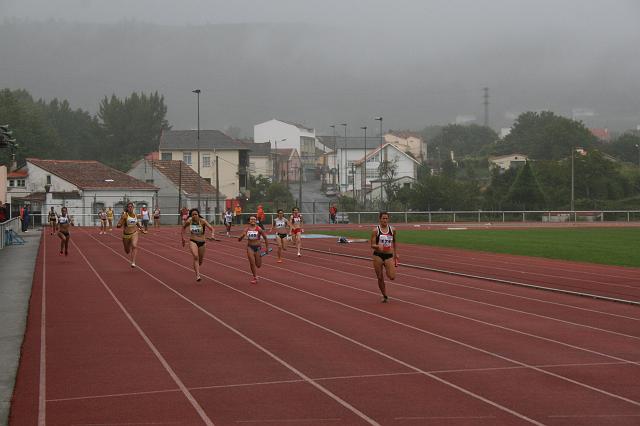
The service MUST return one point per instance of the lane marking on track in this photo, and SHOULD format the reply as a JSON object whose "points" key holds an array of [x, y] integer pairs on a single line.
{"points": [[404, 274], [382, 354], [336, 378], [291, 368], [492, 279], [283, 421], [529, 366], [42, 388], [150, 344]]}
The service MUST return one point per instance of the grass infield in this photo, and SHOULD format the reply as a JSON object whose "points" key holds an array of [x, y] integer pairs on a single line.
{"points": [[609, 246]]}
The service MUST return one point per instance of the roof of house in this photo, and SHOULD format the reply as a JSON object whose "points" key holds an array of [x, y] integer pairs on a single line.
{"points": [[155, 155], [90, 174], [299, 126], [404, 134], [188, 139], [258, 149], [287, 152], [388, 144], [19, 174], [328, 141], [178, 172], [500, 157], [601, 133], [41, 196]]}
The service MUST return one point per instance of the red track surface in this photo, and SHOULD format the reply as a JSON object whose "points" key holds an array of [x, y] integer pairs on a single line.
{"points": [[311, 344]]}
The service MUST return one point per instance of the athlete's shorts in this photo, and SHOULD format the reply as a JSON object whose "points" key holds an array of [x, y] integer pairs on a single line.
{"points": [[128, 236], [296, 230], [198, 243], [383, 256], [282, 236], [254, 248]]}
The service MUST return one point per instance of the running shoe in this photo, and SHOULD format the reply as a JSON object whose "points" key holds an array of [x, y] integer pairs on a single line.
{"points": [[385, 299], [279, 260], [254, 280], [299, 254], [198, 278], [66, 253], [133, 265]]}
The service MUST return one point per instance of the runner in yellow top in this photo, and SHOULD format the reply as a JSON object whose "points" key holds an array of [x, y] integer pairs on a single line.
{"points": [[129, 221], [110, 218]]}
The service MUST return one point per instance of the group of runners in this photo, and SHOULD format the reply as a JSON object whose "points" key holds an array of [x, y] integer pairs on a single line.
{"points": [[382, 239]]}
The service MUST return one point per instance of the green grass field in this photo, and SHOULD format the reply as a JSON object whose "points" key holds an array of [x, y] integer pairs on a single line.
{"points": [[609, 246]]}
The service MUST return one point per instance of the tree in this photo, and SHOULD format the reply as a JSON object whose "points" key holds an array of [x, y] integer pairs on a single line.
{"points": [[626, 148], [132, 127], [525, 192], [545, 136], [464, 141]]}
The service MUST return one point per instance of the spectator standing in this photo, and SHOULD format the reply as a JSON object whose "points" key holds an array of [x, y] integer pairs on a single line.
{"points": [[237, 211], [261, 216], [144, 215], [333, 211], [156, 218], [25, 214]]}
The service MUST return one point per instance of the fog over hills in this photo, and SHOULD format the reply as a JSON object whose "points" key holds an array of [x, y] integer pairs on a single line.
{"points": [[414, 72]]}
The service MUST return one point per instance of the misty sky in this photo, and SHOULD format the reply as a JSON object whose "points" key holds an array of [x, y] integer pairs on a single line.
{"points": [[320, 62]]}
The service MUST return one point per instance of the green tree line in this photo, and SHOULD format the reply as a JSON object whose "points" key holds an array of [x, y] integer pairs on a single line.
{"points": [[120, 133]]}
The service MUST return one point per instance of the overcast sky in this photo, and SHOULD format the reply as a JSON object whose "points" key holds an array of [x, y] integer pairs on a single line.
{"points": [[416, 62]]}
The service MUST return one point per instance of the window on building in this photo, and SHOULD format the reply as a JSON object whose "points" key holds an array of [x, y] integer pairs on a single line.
{"points": [[149, 181], [372, 174], [252, 167], [351, 180], [48, 179], [206, 161], [12, 183], [186, 157], [166, 156], [208, 180], [20, 182]]}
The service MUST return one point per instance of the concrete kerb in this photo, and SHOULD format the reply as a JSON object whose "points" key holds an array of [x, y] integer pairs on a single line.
{"points": [[17, 265]]}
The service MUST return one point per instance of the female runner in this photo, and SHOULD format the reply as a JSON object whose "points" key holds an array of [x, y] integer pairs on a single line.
{"points": [[383, 243], [253, 233], [281, 225], [295, 223], [63, 231], [53, 220], [197, 226], [102, 215], [129, 220]]}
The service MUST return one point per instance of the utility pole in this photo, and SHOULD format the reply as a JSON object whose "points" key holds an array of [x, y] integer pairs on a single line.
{"points": [[573, 150], [197, 92], [179, 192], [217, 191], [346, 172], [363, 180], [380, 162], [486, 106]]}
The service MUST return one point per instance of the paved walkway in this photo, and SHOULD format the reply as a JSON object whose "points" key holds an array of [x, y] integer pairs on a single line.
{"points": [[17, 264]]}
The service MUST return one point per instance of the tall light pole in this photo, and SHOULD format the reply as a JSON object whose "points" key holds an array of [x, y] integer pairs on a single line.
{"points": [[573, 150], [346, 173], [363, 180], [638, 148], [335, 145], [197, 92], [277, 178], [380, 166]]}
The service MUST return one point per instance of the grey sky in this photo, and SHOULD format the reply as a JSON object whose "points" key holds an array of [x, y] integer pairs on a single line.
{"points": [[414, 62]]}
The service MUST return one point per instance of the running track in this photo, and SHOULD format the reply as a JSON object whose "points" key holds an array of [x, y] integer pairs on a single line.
{"points": [[311, 344]]}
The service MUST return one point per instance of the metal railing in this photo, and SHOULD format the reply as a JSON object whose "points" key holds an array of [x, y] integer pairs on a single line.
{"points": [[5, 227]]}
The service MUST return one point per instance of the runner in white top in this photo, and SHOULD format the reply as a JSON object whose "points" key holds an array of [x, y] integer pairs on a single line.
{"points": [[385, 256], [227, 219], [296, 222], [281, 225]]}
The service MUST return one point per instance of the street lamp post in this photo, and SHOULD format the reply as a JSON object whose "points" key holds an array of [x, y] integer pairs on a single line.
{"points": [[638, 147], [333, 126], [573, 150], [380, 166], [363, 180], [346, 173], [197, 92]]}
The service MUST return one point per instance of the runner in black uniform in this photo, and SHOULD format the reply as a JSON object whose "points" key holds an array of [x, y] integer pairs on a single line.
{"points": [[197, 226], [385, 256], [281, 225]]}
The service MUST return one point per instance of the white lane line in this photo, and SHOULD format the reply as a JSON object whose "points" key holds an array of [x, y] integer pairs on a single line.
{"points": [[505, 308], [380, 353], [336, 378], [420, 330], [283, 421], [423, 278], [587, 416], [42, 388], [153, 348], [290, 367]]}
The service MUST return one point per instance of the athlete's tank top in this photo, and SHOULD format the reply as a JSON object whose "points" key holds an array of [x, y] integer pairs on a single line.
{"points": [[196, 229], [253, 234], [280, 223], [386, 239], [131, 221], [62, 220]]}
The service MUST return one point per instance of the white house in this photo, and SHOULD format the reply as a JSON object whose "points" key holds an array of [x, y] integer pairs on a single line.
{"points": [[282, 134], [402, 168], [178, 186], [409, 142], [233, 157], [505, 162], [84, 187]]}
